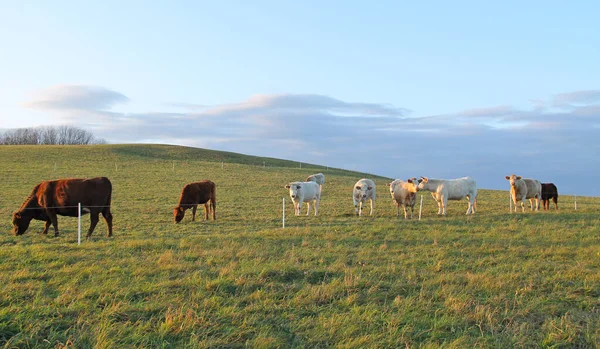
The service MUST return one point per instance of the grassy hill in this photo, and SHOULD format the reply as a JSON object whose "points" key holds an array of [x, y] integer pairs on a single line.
{"points": [[492, 280]]}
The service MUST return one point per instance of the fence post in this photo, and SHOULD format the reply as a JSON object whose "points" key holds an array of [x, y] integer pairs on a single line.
{"points": [[510, 203], [575, 197], [283, 221], [79, 223], [421, 207], [221, 164]]}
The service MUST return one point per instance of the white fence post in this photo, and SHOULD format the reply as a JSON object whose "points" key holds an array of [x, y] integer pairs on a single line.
{"points": [[421, 207], [221, 164], [283, 221], [79, 223], [575, 197]]}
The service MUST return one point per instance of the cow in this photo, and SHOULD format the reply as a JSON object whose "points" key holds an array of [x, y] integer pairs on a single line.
{"points": [[443, 190], [194, 194], [301, 192], [404, 195], [524, 188], [549, 191], [62, 197], [317, 177], [363, 190]]}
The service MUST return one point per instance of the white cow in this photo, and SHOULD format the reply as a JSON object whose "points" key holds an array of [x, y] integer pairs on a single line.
{"points": [[317, 177], [404, 194], [525, 188], [443, 190], [304, 191], [363, 190]]}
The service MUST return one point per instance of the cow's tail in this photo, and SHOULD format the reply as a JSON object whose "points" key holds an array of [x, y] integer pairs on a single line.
{"points": [[213, 201], [107, 202]]}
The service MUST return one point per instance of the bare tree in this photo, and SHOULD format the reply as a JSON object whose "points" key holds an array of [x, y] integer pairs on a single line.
{"points": [[62, 135]]}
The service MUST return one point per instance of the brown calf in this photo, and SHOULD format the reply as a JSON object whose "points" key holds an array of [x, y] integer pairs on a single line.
{"points": [[194, 194]]}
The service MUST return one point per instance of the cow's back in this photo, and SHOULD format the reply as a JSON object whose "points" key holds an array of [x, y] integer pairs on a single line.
{"points": [[311, 190], [73, 191], [549, 191], [197, 193], [533, 188]]}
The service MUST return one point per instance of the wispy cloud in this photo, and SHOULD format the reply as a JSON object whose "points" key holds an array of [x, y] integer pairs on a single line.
{"points": [[76, 97]]}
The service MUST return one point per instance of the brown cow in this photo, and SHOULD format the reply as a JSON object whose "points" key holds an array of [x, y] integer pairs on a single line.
{"points": [[549, 191], [61, 197], [194, 194]]}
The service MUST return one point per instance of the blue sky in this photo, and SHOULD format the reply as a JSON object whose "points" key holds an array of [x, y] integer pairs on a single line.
{"points": [[439, 89]]}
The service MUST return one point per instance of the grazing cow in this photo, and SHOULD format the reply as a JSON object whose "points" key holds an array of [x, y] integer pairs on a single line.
{"points": [[317, 177], [404, 195], [62, 197], [443, 190], [194, 194], [363, 190], [304, 191], [549, 191], [525, 188]]}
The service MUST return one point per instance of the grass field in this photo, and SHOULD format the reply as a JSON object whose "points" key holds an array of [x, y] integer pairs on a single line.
{"points": [[492, 280]]}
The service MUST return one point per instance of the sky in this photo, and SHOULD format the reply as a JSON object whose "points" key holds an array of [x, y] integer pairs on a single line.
{"points": [[398, 89]]}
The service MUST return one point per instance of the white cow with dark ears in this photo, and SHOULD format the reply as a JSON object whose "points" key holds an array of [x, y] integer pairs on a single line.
{"points": [[301, 192]]}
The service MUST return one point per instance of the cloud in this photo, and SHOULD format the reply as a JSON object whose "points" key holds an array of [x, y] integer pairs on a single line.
{"points": [[569, 100], [487, 143], [76, 97]]}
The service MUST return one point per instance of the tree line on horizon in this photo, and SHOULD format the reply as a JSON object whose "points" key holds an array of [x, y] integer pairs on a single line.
{"points": [[49, 135]]}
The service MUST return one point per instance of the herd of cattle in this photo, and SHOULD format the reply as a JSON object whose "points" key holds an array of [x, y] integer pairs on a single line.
{"points": [[75, 197]]}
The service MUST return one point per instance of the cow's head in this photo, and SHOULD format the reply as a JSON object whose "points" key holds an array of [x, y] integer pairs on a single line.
{"points": [[422, 182], [362, 191], [413, 185], [20, 223], [294, 188], [178, 213], [512, 179]]}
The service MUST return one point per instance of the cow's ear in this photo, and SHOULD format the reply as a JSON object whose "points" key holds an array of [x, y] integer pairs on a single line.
{"points": [[388, 184], [409, 180], [287, 186], [298, 186], [414, 178], [425, 179], [519, 177], [507, 177], [369, 188]]}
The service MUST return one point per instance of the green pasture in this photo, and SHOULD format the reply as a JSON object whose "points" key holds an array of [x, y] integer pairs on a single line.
{"points": [[493, 280]]}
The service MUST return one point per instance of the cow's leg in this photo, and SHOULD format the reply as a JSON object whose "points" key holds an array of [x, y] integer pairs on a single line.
{"points": [[444, 204], [94, 219], [372, 207], [316, 206], [194, 208], [46, 227], [398, 210], [206, 208], [52, 215], [405, 211], [299, 208], [308, 207], [555, 199], [523, 204], [109, 220]]}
